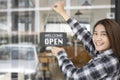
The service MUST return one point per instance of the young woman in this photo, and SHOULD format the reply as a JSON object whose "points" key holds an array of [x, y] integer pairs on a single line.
{"points": [[103, 46]]}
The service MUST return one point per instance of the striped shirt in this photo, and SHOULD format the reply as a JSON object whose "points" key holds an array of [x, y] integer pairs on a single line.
{"points": [[102, 66]]}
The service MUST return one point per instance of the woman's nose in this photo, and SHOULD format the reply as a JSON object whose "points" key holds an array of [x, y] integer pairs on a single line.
{"points": [[98, 37]]}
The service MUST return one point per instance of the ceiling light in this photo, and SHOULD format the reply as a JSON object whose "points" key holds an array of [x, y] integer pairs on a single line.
{"points": [[86, 3], [78, 13]]}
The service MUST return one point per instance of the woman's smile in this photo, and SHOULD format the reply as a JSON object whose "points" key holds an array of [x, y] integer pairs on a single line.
{"points": [[100, 38]]}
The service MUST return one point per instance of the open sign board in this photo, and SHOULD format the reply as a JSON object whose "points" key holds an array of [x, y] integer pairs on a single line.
{"points": [[53, 38]]}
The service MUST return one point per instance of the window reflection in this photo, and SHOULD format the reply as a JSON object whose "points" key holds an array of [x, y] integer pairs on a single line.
{"points": [[48, 3], [3, 4], [22, 53], [23, 21], [3, 28], [3, 21], [4, 54], [15, 53], [22, 3]]}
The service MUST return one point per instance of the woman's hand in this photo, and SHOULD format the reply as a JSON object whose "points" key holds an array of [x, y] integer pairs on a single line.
{"points": [[55, 50], [59, 8]]}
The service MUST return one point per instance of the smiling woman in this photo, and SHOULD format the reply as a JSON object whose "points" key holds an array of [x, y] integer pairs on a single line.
{"points": [[100, 38], [103, 47], [110, 31]]}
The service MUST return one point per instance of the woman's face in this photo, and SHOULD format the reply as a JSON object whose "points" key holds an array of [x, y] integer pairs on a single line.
{"points": [[100, 38]]}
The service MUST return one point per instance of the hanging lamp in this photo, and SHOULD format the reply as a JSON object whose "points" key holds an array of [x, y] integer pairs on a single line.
{"points": [[86, 3], [78, 13]]}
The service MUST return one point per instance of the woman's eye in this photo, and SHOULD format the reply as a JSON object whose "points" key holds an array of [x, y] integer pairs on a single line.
{"points": [[104, 34], [94, 33]]}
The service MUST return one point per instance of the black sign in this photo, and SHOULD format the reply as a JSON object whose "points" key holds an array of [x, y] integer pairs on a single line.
{"points": [[53, 39]]}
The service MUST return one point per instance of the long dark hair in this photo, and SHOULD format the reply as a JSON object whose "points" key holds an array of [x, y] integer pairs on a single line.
{"points": [[113, 31]]}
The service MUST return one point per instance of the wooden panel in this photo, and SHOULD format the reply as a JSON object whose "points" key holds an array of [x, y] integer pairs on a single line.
{"points": [[81, 59]]}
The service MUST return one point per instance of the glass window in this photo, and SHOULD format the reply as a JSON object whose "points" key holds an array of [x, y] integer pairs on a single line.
{"points": [[89, 2], [4, 54], [23, 21], [76, 2], [47, 3], [3, 21], [22, 3], [29, 54], [14, 54], [3, 28], [22, 53], [3, 4]]}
